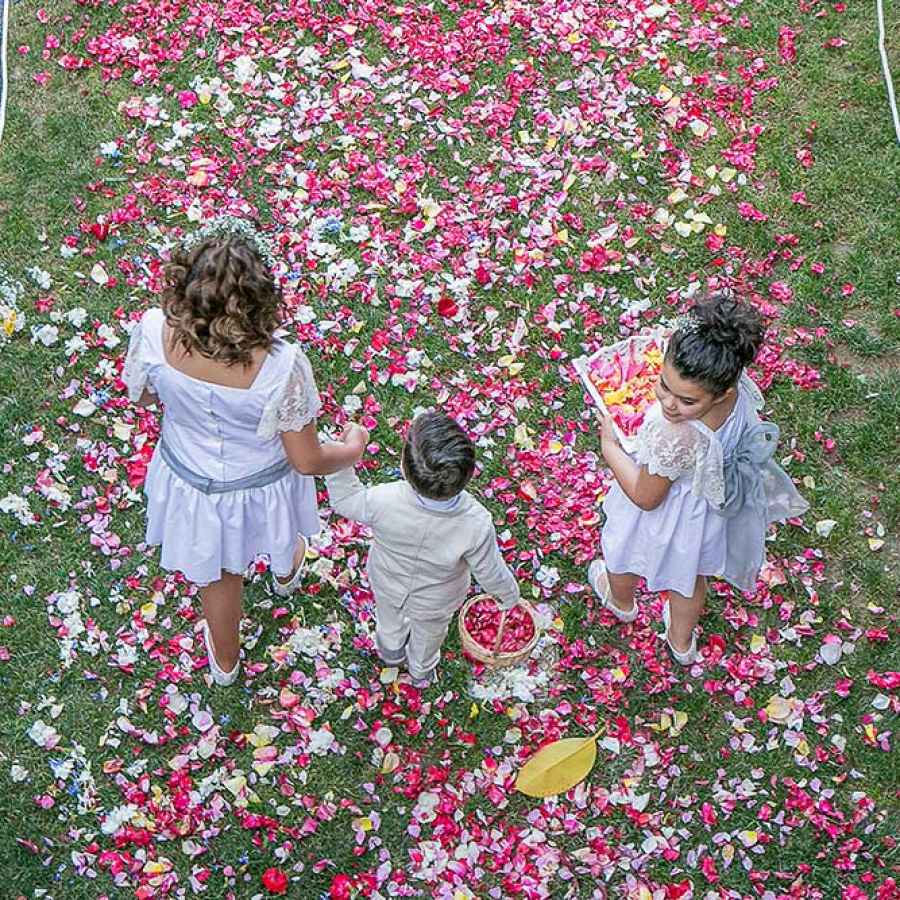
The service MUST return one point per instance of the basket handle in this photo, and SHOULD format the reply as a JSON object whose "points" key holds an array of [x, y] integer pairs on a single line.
{"points": [[500, 631]]}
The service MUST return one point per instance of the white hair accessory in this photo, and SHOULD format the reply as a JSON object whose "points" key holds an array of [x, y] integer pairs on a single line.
{"points": [[687, 324], [232, 226]]}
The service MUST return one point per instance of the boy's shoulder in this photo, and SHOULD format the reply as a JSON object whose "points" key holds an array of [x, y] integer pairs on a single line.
{"points": [[388, 492], [475, 509]]}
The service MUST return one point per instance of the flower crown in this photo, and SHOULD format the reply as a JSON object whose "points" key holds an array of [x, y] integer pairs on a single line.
{"points": [[232, 226]]}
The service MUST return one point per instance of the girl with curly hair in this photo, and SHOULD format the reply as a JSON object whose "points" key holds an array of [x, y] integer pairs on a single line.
{"points": [[232, 474]]}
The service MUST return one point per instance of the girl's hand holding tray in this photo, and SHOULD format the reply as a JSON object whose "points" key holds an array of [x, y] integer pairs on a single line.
{"points": [[621, 380]]}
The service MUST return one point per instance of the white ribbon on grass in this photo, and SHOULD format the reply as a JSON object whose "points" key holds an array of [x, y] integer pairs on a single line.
{"points": [[892, 100], [4, 72]]}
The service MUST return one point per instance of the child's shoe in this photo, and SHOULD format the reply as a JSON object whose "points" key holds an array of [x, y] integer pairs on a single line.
{"points": [[219, 676], [683, 657], [599, 581], [287, 588], [424, 682]]}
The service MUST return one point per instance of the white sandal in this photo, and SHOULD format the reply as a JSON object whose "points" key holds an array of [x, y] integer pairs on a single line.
{"points": [[596, 571], [219, 676], [287, 588], [683, 657]]}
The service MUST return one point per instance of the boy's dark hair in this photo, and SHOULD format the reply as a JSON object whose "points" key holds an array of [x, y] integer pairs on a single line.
{"points": [[721, 337], [438, 457]]}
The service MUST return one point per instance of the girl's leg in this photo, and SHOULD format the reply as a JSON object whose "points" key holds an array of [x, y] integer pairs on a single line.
{"points": [[622, 588], [286, 581], [685, 613], [222, 611]]}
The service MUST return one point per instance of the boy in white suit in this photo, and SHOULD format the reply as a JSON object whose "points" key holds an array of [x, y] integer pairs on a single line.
{"points": [[429, 536]]}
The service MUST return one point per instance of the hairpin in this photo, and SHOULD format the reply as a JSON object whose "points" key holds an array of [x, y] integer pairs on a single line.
{"points": [[686, 324]]}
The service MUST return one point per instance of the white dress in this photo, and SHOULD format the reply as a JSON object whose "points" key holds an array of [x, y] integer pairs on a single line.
{"points": [[685, 536], [225, 434]]}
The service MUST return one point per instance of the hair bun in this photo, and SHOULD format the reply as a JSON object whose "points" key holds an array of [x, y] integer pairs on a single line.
{"points": [[732, 324]]}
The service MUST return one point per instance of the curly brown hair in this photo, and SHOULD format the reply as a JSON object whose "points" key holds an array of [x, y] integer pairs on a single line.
{"points": [[221, 301]]}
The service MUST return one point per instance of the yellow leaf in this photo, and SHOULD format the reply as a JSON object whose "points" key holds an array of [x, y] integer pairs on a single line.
{"points": [[473, 710], [557, 767]]}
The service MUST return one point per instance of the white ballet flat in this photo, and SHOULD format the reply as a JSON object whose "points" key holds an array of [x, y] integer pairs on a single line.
{"points": [[219, 676], [596, 572], [288, 588], [683, 657]]}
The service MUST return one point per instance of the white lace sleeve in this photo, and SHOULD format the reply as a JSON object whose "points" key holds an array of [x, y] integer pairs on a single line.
{"points": [[296, 404], [709, 474], [135, 372], [667, 449]]}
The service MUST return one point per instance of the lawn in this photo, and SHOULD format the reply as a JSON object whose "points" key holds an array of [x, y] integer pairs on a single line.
{"points": [[467, 196]]}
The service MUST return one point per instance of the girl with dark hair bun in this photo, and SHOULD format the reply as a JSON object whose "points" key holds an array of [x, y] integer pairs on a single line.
{"points": [[231, 476], [697, 496]]}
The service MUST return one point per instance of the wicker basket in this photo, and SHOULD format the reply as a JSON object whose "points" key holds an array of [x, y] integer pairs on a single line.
{"points": [[490, 659]]}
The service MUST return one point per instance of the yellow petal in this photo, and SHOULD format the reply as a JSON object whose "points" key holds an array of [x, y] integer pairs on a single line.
{"points": [[757, 643]]}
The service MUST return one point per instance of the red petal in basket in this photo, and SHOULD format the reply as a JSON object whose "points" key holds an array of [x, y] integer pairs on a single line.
{"points": [[483, 624]]}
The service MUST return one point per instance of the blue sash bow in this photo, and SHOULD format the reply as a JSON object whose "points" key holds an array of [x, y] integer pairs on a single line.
{"points": [[743, 481]]}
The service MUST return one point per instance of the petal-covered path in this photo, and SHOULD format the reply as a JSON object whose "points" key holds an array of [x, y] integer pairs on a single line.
{"points": [[466, 197]]}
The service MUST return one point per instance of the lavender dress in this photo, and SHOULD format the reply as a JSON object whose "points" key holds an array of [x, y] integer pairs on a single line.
{"points": [[686, 535]]}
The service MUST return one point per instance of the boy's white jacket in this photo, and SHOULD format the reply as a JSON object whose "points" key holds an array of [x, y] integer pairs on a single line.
{"points": [[420, 559]]}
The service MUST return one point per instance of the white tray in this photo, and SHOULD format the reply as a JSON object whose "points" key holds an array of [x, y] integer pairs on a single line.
{"points": [[584, 363]]}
